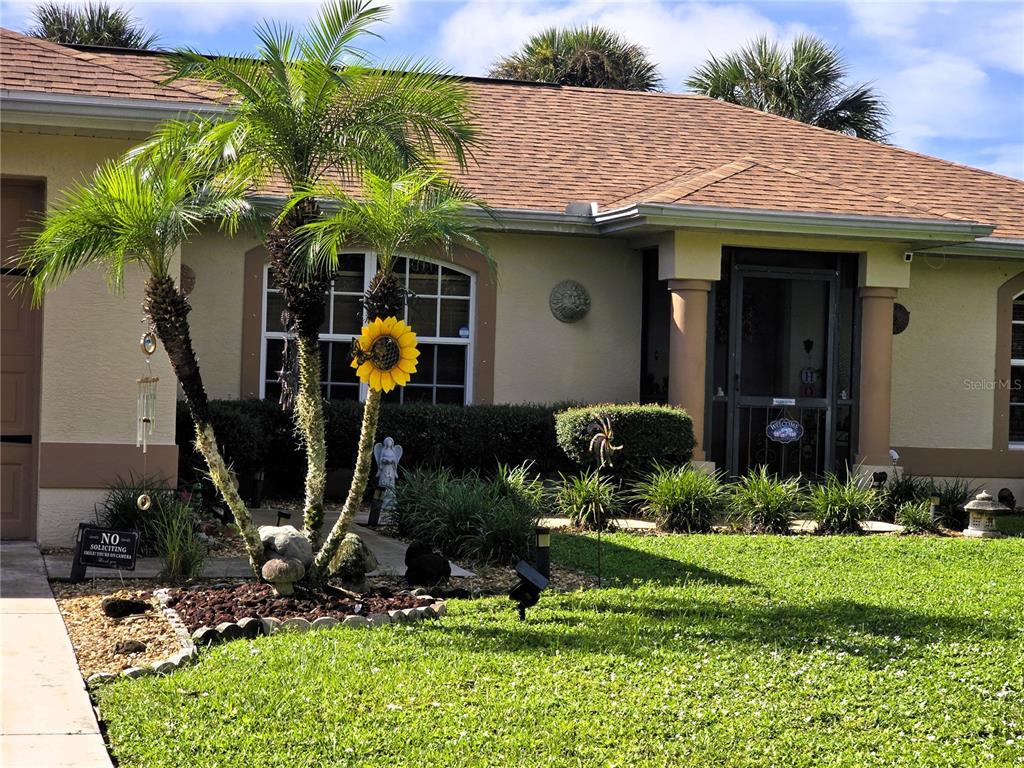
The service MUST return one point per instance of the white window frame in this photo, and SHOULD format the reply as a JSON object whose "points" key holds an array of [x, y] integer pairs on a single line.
{"points": [[369, 270], [1015, 362]]}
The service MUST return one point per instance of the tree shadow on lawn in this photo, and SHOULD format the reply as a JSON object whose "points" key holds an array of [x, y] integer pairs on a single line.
{"points": [[614, 622], [621, 565]]}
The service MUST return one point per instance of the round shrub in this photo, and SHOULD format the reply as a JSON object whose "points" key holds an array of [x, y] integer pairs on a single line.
{"points": [[681, 499], [647, 434]]}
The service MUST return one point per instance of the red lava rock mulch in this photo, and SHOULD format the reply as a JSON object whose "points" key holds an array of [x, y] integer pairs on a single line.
{"points": [[209, 606]]}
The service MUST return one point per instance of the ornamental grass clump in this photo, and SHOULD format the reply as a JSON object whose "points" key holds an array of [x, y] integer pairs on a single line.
{"points": [[681, 499], [901, 489], [953, 494], [469, 517], [178, 544], [765, 503], [840, 506], [916, 518], [589, 500]]}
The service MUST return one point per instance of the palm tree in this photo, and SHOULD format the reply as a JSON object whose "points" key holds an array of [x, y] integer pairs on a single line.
{"points": [[805, 83], [91, 24], [132, 213], [419, 212], [306, 107], [590, 56]]}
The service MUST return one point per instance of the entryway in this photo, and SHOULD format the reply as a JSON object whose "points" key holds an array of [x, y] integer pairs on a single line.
{"points": [[20, 341]]}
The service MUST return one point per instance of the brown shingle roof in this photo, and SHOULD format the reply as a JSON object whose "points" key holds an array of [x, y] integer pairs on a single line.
{"points": [[546, 146]]}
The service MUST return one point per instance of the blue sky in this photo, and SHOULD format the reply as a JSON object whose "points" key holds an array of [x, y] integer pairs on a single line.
{"points": [[951, 72]]}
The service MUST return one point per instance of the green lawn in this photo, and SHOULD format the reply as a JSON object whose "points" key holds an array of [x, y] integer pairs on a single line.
{"points": [[706, 651]]}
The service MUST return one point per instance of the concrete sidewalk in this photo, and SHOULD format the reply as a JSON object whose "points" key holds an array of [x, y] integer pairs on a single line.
{"points": [[47, 718]]}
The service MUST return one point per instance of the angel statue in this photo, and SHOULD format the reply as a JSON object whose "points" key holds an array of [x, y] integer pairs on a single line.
{"points": [[387, 455]]}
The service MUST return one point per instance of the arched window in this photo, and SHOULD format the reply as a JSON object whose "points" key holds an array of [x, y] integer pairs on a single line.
{"points": [[1017, 374], [441, 311]]}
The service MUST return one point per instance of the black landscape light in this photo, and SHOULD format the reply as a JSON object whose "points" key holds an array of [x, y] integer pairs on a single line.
{"points": [[527, 592]]}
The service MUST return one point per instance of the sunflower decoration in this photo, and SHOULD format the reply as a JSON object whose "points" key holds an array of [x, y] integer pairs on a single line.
{"points": [[384, 355]]}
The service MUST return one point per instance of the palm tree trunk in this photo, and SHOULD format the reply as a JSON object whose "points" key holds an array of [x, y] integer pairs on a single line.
{"points": [[364, 457], [303, 293], [168, 311], [309, 415]]}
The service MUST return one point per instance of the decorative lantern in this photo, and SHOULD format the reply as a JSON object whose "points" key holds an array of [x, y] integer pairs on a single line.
{"points": [[145, 414], [983, 511]]}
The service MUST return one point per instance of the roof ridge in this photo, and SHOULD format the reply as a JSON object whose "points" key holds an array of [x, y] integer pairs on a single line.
{"points": [[941, 212], [89, 58], [678, 187]]}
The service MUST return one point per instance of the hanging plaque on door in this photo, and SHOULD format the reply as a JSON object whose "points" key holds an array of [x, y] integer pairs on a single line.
{"points": [[784, 430]]}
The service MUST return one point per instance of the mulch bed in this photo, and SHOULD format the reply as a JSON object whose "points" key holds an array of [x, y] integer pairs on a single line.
{"points": [[203, 605]]}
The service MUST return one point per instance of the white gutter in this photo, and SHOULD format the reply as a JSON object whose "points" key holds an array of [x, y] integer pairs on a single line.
{"points": [[946, 231], [984, 247]]}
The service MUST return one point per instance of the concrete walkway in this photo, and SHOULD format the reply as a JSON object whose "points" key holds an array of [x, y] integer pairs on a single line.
{"points": [[390, 554], [47, 718]]}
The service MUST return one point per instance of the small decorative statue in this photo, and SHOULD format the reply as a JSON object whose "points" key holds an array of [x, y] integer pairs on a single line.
{"points": [[387, 455]]}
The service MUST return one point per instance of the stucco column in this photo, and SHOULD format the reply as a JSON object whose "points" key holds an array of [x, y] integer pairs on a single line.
{"points": [[688, 339], [875, 375]]}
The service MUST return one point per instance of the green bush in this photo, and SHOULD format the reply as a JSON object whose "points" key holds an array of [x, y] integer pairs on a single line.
{"points": [[120, 509], [176, 539], [589, 500], [901, 489], [647, 434], [765, 503], [840, 506], [916, 517], [681, 499], [468, 517], [953, 494], [256, 435]]}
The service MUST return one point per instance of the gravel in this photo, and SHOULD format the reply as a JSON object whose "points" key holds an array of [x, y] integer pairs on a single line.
{"points": [[96, 638]]}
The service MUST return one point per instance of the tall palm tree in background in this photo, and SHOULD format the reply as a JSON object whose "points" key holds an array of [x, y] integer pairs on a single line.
{"points": [[140, 214], [419, 212], [805, 83], [589, 56], [308, 108], [91, 24]]}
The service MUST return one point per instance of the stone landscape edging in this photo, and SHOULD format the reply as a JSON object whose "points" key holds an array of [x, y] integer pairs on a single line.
{"points": [[251, 628]]}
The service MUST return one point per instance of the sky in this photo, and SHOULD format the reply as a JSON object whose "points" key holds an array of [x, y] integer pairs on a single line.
{"points": [[952, 73]]}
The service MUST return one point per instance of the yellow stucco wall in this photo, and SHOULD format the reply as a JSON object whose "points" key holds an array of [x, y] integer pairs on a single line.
{"points": [[216, 318], [538, 358], [90, 350], [944, 363]]}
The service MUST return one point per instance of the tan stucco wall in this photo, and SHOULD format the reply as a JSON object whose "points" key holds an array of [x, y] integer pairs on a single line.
{"points": [[216, 318], [538, 358], [944, 363], [90, 346]]}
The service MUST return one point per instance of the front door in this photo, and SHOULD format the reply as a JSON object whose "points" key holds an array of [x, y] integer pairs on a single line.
{"points": [[20, 337], [782, 365]]}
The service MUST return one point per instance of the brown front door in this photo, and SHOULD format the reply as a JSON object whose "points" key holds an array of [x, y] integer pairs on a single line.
{"points": [[20, 338]]}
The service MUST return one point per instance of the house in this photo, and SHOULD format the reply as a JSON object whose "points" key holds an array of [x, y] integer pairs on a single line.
{"points": [[813, 300]]}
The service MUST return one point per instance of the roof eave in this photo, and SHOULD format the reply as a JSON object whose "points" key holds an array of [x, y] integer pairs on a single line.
{"points": [[30, 108], [945, 231], [985, 247]]}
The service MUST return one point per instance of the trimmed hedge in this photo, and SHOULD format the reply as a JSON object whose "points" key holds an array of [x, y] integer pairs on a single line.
{"points": [[256, 435], [648, 434]]}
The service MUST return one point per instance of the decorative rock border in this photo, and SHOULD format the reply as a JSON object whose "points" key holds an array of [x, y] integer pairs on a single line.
{"points": [[251, 628], [188, 651]]}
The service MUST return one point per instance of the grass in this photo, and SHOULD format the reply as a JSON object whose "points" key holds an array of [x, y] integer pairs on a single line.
{"points": [[705, 650]]}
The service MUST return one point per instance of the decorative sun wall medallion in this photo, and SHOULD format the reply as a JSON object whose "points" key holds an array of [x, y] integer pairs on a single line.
{"points": [[900, 318], [569, 301]]}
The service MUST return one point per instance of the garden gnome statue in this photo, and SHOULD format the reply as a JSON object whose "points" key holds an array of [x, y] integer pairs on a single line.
{"points": [[387, 455]]}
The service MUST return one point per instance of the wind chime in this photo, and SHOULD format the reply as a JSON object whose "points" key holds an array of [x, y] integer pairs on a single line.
{"points": [[146, 405]]}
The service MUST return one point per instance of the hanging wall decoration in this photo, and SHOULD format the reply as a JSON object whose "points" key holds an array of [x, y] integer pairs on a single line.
{"points": [[569, 301], [146, 404]]}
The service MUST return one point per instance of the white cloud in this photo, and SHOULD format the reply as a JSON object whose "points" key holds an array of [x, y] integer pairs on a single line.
{"points": [[938, 95], [1007, 159], [678, 36], [887, 19]]}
